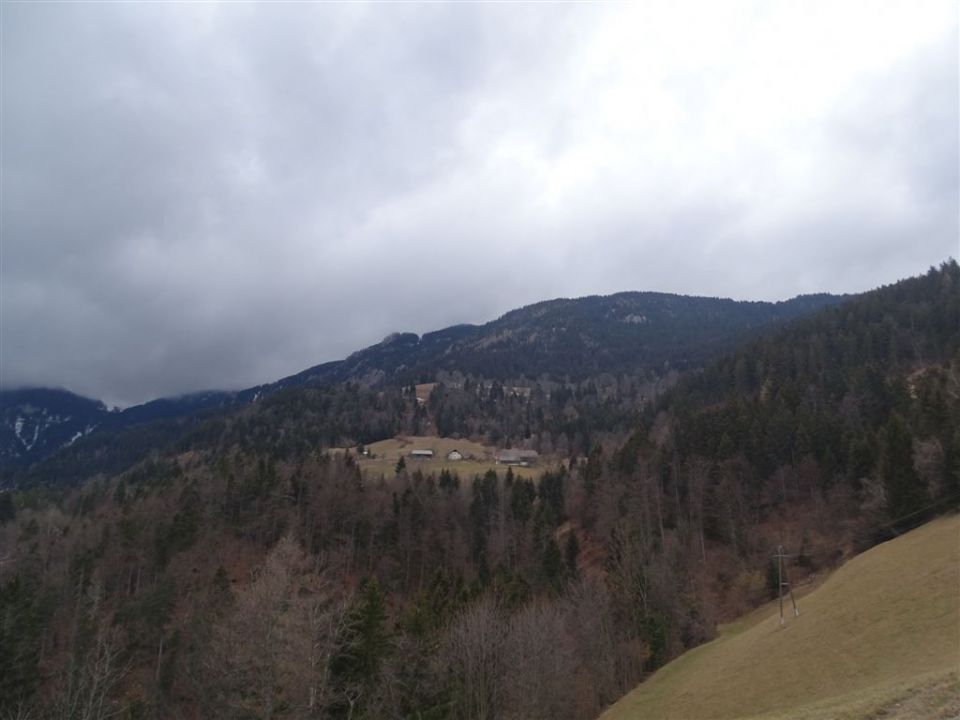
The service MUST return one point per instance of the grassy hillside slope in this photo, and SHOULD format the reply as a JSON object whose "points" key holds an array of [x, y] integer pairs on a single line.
{"points": [[879, 638]]}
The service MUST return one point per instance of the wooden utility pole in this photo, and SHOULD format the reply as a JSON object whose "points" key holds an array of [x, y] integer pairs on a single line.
{"points": [[796, 610], [780, 584], [780, 580]]}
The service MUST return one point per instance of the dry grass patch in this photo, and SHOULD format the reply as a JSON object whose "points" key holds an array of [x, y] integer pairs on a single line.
{"points": [[884, 629], [477, 458], [423, 391]]}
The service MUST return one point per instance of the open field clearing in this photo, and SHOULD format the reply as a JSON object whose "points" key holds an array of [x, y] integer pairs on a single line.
{"points": [[423, 391], [880, 638], [478, 458]]}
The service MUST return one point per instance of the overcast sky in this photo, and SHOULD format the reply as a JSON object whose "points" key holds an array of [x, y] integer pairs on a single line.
{"points": [[200, 195]]}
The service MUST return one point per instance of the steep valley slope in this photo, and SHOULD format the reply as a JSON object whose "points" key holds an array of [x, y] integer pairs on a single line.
{"points": [[879, 638]]}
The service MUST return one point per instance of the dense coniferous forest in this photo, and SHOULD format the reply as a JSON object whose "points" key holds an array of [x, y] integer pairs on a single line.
{"points": [[249, 571]]}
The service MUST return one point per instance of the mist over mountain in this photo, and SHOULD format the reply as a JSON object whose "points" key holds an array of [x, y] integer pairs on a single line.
{"points": [[564, 339]]}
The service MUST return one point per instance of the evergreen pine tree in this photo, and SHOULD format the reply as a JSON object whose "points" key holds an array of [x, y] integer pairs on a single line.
{"points": [[552, 564], [905, 493], [366, 640], [572, 551], [8, 510]]}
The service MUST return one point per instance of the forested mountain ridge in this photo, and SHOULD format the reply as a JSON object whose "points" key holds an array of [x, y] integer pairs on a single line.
{"points": [[196, 583], [632, 333], [573, 338], [838, 390]]}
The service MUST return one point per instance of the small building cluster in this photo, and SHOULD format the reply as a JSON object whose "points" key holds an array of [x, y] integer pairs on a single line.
{"points": [[523, 458], [429, 454], [510, 456]]}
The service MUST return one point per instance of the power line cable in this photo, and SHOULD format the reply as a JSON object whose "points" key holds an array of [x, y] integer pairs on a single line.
{"points": [[807, 546]]}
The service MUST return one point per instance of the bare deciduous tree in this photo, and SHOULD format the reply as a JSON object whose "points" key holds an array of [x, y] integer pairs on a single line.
{"points": [[540, 662], [89, 686], [473, 651], [274, 648]]}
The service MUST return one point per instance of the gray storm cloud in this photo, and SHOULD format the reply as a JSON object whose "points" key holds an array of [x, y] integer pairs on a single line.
{"points": [[211, 196]]}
